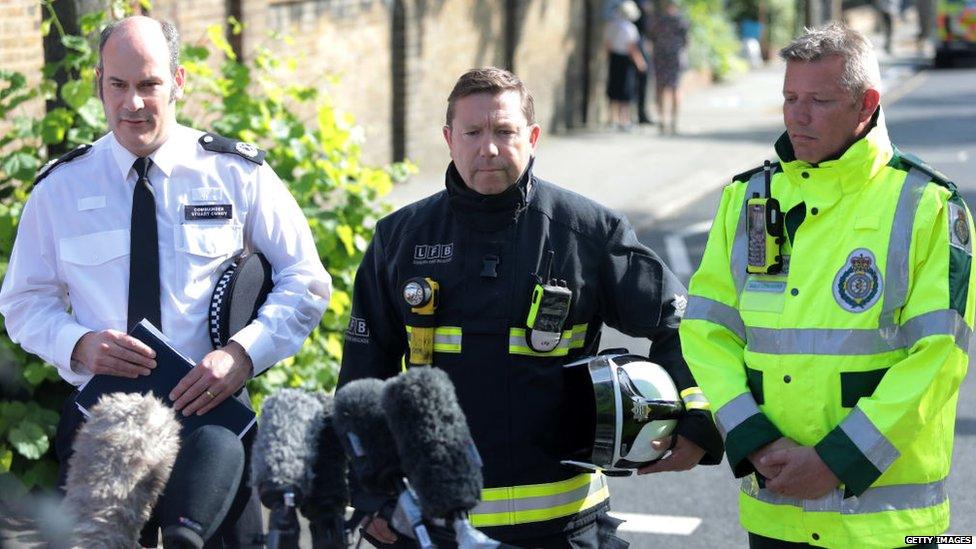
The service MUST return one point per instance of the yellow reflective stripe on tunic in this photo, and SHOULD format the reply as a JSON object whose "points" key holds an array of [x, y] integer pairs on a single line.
{"points": [[447, 339], [849, 342], [869, 440], [695, 399], [703, 308], [507, 506], [735, 412], [895, 497], [573, 338]]}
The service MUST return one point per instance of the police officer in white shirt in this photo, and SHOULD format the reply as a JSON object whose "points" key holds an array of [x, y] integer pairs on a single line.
{"points": [[75, 265]]}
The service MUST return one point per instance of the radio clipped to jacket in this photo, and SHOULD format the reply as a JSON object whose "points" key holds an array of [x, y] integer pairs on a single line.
{"points": [[764, 227], [548, 310]]}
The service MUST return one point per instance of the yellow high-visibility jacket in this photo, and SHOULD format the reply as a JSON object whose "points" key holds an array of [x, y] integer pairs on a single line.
{"points": [[858, 350]]}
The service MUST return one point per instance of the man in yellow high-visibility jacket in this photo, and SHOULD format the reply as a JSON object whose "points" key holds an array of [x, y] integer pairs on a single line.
{"points": [[834, 381]]}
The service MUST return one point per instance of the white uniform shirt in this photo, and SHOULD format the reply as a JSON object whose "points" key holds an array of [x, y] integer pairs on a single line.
{"points": [[69, 270]]}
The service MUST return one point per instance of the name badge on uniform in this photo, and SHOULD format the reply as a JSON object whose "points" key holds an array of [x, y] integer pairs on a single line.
{"points": [[200, 212]]}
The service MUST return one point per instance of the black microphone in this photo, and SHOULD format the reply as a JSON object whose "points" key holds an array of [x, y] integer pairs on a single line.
{"points": [[364, 434], [325, 503], [122, 459], [436, 449], [433, 440], [284, 450], [202, 488]]}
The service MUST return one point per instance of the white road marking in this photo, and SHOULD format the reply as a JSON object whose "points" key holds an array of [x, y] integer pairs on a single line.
{"points": [[674, 246], [657, 524]]}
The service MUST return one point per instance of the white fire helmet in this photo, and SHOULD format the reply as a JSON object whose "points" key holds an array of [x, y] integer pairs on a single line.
{"points": [[619, 403]]}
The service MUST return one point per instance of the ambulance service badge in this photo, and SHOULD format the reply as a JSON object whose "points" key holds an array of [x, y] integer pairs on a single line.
{"points": [[858, 284], [959, 228]]}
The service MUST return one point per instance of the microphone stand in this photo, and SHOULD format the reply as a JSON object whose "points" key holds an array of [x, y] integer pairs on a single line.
{"points": [[283, 527]]}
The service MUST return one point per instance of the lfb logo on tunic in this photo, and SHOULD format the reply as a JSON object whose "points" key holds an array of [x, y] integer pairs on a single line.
{"points": [[858, 284], [433, 253], [358, 330]]}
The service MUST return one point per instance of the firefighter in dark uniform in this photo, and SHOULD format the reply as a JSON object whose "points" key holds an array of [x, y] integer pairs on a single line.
{"points": [[495, 242]]}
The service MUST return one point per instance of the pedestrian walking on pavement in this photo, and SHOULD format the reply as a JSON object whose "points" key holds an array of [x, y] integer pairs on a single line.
{"points": [[622, 39], [646, 8], [830, 320], [668, 32], [888, 11]]}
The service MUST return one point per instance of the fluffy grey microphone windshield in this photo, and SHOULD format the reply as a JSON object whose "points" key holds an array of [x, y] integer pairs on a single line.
{"points": [[433, 441], [329, 492], [286, 444], [123, 455], [364, 434]]}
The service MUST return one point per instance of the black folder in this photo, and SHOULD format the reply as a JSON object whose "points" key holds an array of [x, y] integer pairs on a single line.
{"points": [[170, 368]]}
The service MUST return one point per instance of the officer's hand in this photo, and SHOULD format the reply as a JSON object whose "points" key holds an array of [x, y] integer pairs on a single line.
{"points": [[113, 353], [802, 473], [379, 529], [683, 456], [770, 471], [219, 375]]}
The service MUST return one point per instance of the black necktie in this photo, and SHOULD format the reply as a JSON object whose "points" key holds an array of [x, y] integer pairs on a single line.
{"points": [[144, 251]]}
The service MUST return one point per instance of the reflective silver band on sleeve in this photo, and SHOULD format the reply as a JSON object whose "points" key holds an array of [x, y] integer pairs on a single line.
{"points": [[735, 412], [869, 440], [695, 399], [942, 322], [703, 308]]}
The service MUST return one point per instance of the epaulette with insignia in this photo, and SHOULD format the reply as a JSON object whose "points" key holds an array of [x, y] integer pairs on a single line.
{"points": [[746, 175], [63, 159], [220, 144], [938, 177]]}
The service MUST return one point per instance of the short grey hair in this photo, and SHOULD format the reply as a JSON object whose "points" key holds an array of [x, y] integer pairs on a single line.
{"points": [[861, 71], [170, 33]]}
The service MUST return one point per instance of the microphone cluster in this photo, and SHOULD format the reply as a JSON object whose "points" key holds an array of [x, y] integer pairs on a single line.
{"points": [[405, 439]]}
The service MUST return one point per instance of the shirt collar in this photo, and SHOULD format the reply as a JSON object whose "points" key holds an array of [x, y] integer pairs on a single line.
{"points": [[164, 158]]}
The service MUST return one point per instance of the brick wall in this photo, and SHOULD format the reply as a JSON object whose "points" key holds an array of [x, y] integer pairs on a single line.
{"points": [[21, 46], [444, 39], [391, 63], [344, 48]]}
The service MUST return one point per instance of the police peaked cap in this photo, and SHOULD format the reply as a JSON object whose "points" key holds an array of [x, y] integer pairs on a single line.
{"points": [[239, 294]]}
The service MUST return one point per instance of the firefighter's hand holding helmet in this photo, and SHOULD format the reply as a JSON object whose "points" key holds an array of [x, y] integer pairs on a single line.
{"points": [[684, 455]]}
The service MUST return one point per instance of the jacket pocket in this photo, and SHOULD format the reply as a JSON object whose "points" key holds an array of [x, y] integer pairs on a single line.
{"points": [[854, 385], [754, 378]]}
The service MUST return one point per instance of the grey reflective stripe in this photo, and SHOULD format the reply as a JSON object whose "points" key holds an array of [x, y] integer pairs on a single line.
{"points": [[597, 483], [946, 321], [899, 245], [696, 401], [819, 341], [869, 440], [447, 339], [702, 308], [896, 497], [850, 342], [735, 412], [740, 246]]}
